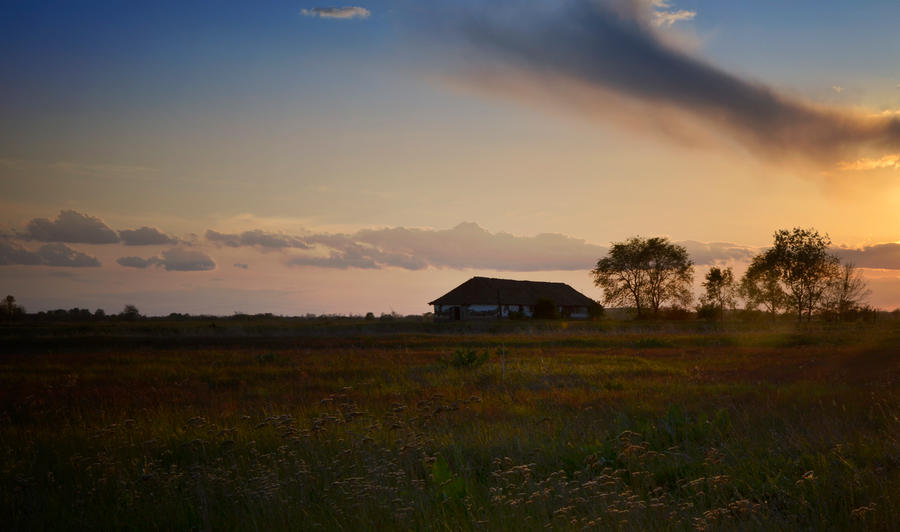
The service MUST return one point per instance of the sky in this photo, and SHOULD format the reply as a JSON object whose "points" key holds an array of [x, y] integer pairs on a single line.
{"points": [[308, 157]]}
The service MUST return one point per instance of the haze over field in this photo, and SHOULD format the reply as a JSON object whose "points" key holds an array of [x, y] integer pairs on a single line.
{"points": [[295, 157]]}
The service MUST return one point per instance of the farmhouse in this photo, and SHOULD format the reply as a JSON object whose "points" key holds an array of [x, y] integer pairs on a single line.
{"points": [[484, 297]]}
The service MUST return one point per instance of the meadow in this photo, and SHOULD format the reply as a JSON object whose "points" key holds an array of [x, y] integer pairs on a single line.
{"points": [[421, 426]]}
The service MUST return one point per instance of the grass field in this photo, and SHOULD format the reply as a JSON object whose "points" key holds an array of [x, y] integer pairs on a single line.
{"points": [[373, 426]]}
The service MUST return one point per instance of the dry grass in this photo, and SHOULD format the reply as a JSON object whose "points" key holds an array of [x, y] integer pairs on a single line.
{"points": [[568, 429]]}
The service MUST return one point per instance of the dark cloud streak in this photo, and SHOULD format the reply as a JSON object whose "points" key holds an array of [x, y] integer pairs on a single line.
{"points": [[612, 46]]}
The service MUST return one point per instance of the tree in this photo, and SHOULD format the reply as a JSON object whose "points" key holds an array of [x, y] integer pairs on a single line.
{"points": [[720, 290], [645, 273], [761, 286], [130, 313], [11, 309], [801, 258], [845, 292]]}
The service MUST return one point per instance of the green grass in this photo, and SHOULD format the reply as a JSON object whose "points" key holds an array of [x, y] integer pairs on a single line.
{"points": [[648, 427]]}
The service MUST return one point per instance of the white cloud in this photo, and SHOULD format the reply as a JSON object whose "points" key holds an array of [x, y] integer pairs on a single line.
{"points": [[348, 12], [663, 15]]}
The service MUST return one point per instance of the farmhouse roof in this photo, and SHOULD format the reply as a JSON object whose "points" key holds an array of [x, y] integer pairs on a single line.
{"points": [[486, 290]]}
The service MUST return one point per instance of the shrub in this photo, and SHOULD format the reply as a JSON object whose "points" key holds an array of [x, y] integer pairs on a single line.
{"points": [[707, 311], [466, 358]]}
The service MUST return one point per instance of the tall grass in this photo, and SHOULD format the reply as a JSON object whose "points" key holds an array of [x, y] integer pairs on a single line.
{"points": [[650, 430]]}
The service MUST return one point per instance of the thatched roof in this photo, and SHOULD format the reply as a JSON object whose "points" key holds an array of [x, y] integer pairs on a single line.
{"points": [[488, 291]]}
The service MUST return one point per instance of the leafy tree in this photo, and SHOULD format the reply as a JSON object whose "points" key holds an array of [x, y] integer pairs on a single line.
{"points": [[10, 308], [130, 313], [761, 286], [802, 260], [845, 292], [645, 273], [720, 290]]}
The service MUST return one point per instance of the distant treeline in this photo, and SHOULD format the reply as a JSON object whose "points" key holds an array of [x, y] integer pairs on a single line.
{"points": [[83, 315], [131, 313]]}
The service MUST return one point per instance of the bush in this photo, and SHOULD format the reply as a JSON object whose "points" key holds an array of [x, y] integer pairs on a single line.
{"points": [[707, 312], [675, 313], [466, 358]]}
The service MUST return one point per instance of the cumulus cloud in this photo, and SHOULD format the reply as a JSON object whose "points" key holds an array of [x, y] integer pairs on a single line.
{"points": [[881, 256], [71, 227], [256, 238], [348, 12], [174, 259], [55, 254], [145, 236], [608, 58]]}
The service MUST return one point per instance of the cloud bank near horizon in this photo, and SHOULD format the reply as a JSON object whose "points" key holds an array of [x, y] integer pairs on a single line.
{"points": [[256, 238], [73, 227], [469, 246], [879, 256], [465, 246], [173, 259], [591, 56], [54, 254]]}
